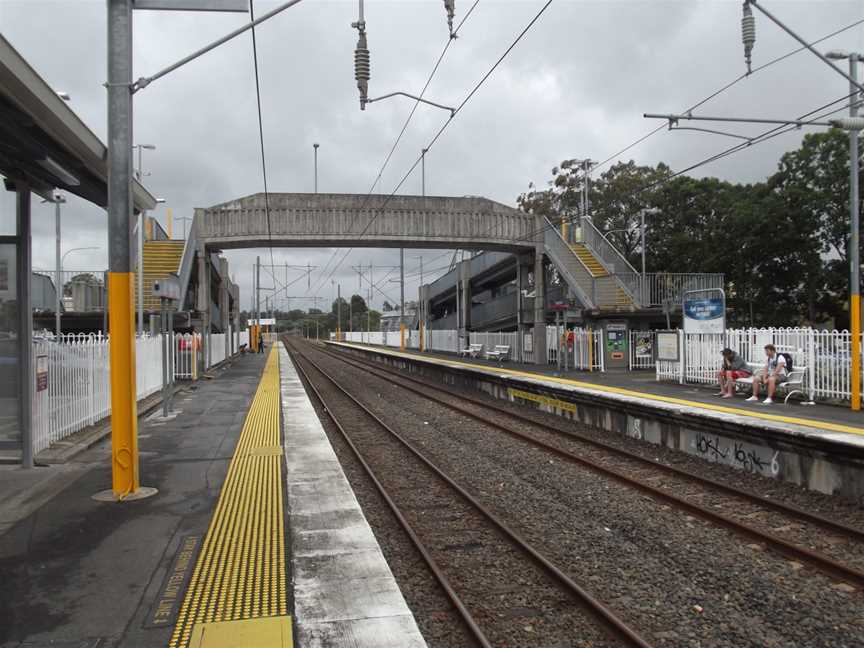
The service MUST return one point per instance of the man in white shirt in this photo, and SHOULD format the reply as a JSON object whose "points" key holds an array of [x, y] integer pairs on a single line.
{"points": [[772, 374]]}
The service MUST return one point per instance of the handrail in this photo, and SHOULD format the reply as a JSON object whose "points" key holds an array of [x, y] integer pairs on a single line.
{"points": [[615, 263], [185, 270], [560, 251], [608, 253]]}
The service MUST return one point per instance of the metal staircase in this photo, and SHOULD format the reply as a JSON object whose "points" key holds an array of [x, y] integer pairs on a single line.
{"points": [[160, 259], [587, 275]]}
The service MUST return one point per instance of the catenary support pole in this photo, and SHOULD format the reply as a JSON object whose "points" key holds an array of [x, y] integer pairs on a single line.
{"points": [[642, 230], [124, 419], [854, 252], [58, 283], [139, 291]]}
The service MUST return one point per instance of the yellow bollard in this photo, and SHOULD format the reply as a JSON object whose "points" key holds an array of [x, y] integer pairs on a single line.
{"points": [[124, 398]]}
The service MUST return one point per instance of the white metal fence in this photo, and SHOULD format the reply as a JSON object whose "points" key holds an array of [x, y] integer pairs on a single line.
{"points": [[78, 391], [582, 350], [825, 354], [641, 349], [218, 348]]}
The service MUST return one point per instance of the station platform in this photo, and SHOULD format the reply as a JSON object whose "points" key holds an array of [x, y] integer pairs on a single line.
{"points": [[820, 447], [254, 539]]}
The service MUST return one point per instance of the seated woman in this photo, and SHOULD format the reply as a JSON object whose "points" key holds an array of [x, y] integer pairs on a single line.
{"points": [[734, 367]]}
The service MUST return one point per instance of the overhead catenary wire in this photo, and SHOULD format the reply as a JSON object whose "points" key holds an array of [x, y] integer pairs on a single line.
{"points": [[443, 128], [261, 131], [703, 101], [398, 139], [726, 87], [731, 150]]}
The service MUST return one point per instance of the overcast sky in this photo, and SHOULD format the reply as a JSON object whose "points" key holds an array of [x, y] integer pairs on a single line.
{"points": [[576, 86]]}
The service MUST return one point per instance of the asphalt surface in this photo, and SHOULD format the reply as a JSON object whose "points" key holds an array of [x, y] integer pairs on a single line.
{"points": [[78, 573]]}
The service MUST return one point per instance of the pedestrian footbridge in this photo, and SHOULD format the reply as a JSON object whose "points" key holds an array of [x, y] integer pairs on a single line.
{"points": [[360, 220]]}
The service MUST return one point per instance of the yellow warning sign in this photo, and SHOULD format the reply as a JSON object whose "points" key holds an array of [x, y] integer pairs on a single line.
{"points": [[543, 400]]}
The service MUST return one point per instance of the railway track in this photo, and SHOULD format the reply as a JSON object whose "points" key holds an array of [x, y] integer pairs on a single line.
{"points": [[461, 536], [637, 473]]}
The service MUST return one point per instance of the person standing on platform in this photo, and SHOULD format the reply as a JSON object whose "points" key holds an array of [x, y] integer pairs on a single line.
{"points": [[260, 341]]}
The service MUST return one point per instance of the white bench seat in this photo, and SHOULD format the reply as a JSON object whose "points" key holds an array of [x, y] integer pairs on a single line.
{"points": [[501, 352]]}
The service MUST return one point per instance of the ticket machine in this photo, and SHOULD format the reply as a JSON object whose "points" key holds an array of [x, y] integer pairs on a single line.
{"points": [[615, 341]]}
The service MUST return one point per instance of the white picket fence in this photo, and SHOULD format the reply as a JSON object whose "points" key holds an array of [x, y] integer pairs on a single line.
{"points": [[78, 393], [586, 353], [825, 354], [79, 386], [641, 349]]}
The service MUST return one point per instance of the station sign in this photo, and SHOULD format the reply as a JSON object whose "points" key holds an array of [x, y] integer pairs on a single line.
{"points": [[666, 346], [704, 311], [265, 321]]}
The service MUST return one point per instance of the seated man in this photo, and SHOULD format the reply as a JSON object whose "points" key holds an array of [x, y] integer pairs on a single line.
{"points": [[772, 374], [734, 367]]}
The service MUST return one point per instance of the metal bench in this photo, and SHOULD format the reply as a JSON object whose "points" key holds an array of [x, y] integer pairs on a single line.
{"points": [[501, 352], [473, 351], [794, 383]]}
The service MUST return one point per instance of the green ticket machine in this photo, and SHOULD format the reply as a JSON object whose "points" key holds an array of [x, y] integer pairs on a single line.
{"points": [[615, 345]]}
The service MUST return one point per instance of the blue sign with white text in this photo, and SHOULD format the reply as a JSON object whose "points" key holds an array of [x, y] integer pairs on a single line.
{"points": [[703, 309]]}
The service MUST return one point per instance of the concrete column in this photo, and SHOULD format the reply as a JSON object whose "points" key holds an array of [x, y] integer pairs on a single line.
{"points": [[25, 324], [204, 302], [224, 314], [464, 279], [539, 296]]}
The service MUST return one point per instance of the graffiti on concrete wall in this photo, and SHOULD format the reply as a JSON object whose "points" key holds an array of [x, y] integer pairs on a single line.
{"points": [[746, 456]]}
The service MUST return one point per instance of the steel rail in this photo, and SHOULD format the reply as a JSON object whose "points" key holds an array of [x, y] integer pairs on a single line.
{"points": [[790, 550], [786, 509], [442, 579], [604, 613]]}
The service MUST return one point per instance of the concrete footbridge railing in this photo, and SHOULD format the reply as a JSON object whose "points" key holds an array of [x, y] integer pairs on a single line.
{"points": [[357, 220]]}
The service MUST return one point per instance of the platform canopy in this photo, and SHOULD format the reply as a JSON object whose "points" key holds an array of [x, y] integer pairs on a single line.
{"points": [[44, 144]]}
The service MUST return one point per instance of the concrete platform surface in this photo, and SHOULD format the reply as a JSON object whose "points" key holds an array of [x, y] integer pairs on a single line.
{"points": [[78, 572], [344, 591]]}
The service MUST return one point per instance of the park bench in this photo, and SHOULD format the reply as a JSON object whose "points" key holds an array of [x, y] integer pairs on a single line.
{"points": [[473, 351], [501, 352]]}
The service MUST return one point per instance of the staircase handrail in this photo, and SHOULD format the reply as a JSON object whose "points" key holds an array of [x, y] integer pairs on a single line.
{"points": [[184, 272], [558, 249], [610, 257]]}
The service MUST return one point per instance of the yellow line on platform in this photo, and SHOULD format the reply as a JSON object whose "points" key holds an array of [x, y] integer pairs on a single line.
{"points": [[812, 423], [240, 572]]}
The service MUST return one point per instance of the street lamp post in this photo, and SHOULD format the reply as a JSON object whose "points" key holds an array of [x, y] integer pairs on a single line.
{"points": [[60, 262], [141, 216], [58, 288], [854, 252], [315, 146]]}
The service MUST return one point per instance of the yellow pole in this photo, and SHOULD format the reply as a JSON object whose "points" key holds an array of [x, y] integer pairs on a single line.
{"points": [[170, 223], [124, 405], [855, 314], [421, 344], [401, 337]]}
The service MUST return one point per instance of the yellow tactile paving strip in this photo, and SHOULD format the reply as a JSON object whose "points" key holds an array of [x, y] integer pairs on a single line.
{"points": [[240, 572]]}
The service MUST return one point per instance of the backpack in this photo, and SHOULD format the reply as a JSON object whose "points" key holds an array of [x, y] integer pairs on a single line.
{"points": [[788, 358]]}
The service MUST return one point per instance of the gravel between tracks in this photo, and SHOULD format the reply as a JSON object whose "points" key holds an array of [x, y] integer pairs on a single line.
{"points": [[685, 582], [790, 528], [513, 601]]}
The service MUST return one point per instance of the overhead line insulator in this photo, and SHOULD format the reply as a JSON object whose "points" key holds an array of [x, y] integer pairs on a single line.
{"points": [[450, 7], [748, 33]]}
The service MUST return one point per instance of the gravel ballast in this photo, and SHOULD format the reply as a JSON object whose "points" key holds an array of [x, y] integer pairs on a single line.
{"points": [[677, 579]]}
